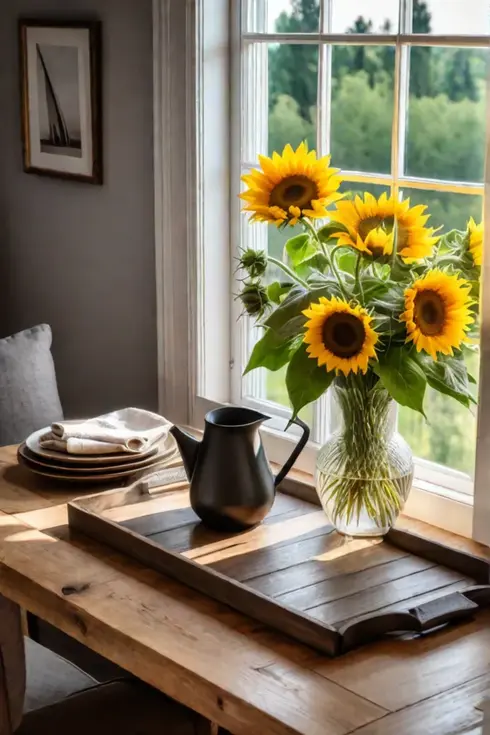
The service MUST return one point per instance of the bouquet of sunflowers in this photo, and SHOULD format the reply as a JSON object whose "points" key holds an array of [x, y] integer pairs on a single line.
{"points": [[372, 301]]}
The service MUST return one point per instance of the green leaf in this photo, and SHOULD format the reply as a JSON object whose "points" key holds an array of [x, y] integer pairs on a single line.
{"points": [[300, 249], [305, 381], [401, 271], [389, 326], [288, 318], [391, 303], [316, 265], [326, 232], [295, 302], [271, 352], [293, 327], [347, 261], [402, 377], [276, 290], [449, 376], [374, 288]]}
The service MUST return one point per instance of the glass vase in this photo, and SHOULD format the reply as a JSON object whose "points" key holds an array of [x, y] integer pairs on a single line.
{"points": [[365, 470]]}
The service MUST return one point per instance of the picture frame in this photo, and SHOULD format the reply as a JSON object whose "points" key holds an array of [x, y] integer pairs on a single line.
{"points": [[61, 98]]}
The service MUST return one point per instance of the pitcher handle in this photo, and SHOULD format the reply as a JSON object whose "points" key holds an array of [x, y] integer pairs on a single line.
{"points": [[296, 451]]}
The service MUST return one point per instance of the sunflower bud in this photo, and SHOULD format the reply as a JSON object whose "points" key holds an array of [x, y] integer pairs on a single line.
{"points": [[254, 262], [254, 298]]}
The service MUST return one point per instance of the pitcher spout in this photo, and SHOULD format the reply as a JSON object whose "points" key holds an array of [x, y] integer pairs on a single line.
{"points": [[188, 447]]}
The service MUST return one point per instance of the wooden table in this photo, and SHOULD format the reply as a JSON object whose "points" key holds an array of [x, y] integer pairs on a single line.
{"points": [[231, 669]]}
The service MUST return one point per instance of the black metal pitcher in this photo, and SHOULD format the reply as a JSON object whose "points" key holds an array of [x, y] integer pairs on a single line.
{"points": [[231, 483]]}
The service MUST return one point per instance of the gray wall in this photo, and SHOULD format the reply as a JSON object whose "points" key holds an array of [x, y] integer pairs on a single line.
{"points": [[77, 256]]}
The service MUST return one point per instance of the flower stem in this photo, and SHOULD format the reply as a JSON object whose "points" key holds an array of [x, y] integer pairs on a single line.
{"points": [[287, 270], [358, 279], [326, 252]]}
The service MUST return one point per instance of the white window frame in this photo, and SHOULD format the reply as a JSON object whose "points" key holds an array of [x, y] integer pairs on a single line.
{"points": [[197, 52]]}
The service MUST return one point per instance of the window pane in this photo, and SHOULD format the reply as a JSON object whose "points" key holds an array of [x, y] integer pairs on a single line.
{"points": [[362, 107], [365, 16], [451, 211], [449, 438], [292, 16], [276, 392], [293, 80], [446, 113], [351, 188], [277, 239], [442, 17]]}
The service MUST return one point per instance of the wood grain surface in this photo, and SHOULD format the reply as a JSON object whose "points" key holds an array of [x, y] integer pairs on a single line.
{"points": [[235, 671]]}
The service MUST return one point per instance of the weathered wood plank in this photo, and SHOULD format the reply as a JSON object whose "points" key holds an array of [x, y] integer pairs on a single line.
{"points": [[261, 537], [451, 713], [281, 555], [467, 564], [317, 570], [373, 599], [347, 584], [172, 510], [184, 532], [399, 673]]}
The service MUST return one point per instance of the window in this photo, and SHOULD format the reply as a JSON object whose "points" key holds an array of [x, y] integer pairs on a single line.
{"points": [[396, 91], [396, 94]]}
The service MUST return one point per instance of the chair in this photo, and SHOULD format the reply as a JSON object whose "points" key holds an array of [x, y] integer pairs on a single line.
{"points": [[43, 694]]}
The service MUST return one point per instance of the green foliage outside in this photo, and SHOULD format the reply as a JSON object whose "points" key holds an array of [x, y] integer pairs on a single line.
{"points": [[444, 140]]}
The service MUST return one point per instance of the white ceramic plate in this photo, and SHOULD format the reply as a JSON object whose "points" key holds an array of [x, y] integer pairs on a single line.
{"points": [[165, 452], [99, 478], [32, 443]]}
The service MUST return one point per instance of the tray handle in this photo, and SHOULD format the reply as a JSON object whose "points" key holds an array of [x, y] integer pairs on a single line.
{"points": [[158, 480], [440, 611]]}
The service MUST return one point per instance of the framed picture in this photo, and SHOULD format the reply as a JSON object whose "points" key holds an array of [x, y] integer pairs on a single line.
{"points": [[61, 99]]}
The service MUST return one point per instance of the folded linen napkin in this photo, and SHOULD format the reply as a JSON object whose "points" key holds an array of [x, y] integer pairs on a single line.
{"points": [[132, 430]]}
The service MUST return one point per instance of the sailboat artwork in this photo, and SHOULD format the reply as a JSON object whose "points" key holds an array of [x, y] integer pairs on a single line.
{"points": [[61, 99], [55, 134]]}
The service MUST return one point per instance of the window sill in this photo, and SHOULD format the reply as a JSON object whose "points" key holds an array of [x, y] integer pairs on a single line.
{"points": [[445, 509]]}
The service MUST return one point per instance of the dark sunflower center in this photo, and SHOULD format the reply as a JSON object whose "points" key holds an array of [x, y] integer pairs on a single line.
{"points": [[429, 313], [343, 335], [295, 191]]}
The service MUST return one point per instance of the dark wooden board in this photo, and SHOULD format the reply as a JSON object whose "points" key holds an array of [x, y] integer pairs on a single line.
{"points": [[294, 572]]}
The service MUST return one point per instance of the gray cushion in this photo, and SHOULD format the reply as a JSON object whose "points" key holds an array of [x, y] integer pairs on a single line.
{"points": [[50, 678], [29, 397]]}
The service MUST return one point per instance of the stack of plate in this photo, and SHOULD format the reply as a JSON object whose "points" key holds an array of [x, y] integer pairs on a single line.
{"points": [[83, 468]]}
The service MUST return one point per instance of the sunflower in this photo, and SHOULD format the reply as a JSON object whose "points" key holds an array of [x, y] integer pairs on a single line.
{"points": [[369, 225], [475, 233], [339, 336], [437, 312], [290, 186]]}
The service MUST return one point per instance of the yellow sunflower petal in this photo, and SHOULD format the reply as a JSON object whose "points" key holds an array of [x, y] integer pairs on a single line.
{"points": [[475, 233], [340, 336], [294, 181], [437, 313], [366, 219]]}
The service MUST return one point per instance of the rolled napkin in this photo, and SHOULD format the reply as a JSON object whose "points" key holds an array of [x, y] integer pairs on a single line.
{"points": [[132, 430]]}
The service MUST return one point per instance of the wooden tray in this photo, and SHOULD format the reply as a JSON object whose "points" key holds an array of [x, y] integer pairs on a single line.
{"points": [[293, 572]]}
